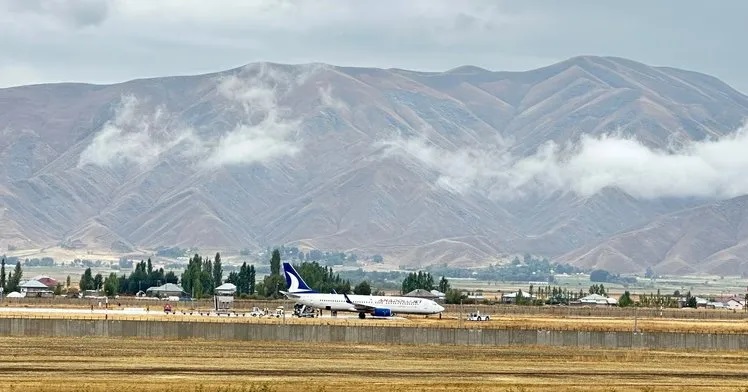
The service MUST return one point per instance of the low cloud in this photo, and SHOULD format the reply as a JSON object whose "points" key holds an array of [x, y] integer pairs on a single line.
{"points": [[264, 130], [77, 13], [135, 135], [267, 130], [329, 100], [706, 169]]}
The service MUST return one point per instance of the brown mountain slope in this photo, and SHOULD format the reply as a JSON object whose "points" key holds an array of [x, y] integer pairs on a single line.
{"points": [[374, 160], [710, 238]]}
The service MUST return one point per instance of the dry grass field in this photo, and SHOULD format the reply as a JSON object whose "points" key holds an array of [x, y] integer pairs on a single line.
{"points": [[94, 364], [610, 324]]}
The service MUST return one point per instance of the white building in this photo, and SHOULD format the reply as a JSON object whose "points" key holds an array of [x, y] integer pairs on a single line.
{"points": [[35, 288], [226, 289]]}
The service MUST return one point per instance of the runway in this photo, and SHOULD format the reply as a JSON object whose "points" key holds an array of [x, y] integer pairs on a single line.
{"points": [[159, 312]]}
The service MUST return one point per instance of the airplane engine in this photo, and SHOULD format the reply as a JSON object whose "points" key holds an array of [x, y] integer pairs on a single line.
{"points": [[382, 312]]}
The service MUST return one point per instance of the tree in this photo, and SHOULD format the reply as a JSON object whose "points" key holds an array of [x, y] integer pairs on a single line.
{"points": [[443, 285], [625, 300], [453, 296], [275, 262], [217, 271], [362, 288], [98, 282], [251, 277], [87, 280], [14, 280], [58, 289], [691, 301], [171, 277], [191, 278], [111, 285], [206, 277], [599, 276], [418, 280], [67, 281], [2, 274]]}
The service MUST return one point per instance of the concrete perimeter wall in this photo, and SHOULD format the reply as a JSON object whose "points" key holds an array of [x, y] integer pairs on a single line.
{"points": [[368, 334]]}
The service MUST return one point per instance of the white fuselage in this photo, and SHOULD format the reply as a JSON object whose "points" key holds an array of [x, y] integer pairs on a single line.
{"points": [[337, 302]]}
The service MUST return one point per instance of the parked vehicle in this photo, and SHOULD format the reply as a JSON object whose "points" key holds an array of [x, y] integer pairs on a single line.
{"points": [[476, 316]]}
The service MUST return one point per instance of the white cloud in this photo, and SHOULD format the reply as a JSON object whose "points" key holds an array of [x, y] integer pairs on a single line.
{"points": [[264, 130], [708, 169], [257, 90], [328, 99], [136, 134]]}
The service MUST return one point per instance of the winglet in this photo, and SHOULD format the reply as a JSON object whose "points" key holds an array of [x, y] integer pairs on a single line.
{"points": [[294, 281]]}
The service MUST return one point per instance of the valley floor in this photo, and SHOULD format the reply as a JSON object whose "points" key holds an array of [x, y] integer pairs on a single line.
{"points": [[98, 364]]}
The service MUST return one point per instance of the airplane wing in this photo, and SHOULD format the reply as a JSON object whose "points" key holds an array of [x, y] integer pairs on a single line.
{"points": [[290, 295], [359, 307]]}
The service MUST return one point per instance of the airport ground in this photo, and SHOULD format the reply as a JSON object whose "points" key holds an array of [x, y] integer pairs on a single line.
{"points": [[448, 320], [98, 364]]}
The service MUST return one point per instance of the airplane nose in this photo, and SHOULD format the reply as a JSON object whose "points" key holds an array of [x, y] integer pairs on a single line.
{"points": [[439, 308]]}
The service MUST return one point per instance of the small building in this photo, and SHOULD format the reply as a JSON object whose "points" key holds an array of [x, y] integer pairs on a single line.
{"points": [[421, 293], [439, 295], [734, 304], [167, 290], [223, 303], [49, 282], [226, 289], [596, 300], [511, 298], [35, 288]]}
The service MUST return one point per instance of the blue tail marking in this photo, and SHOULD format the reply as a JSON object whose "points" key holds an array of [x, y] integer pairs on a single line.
{"points": [[294, 281]]}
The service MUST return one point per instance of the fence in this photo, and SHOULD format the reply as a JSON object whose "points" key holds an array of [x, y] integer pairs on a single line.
{"points": [[499, 309], [367, 334]]}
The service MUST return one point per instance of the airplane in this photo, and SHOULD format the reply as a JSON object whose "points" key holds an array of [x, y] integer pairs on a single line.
{"points": [[374, 305]]}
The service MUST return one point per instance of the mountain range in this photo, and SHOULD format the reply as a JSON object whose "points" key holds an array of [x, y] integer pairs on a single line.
{"points": [[600, 162]]}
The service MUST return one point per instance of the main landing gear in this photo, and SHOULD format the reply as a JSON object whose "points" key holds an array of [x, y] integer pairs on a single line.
{"points": [[362, 315]]}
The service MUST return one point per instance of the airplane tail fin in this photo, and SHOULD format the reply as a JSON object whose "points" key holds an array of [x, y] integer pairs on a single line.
{"points": [[294, 281]]}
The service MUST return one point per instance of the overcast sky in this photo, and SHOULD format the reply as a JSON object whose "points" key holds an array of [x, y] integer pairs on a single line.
{"points": [[111, 41]]}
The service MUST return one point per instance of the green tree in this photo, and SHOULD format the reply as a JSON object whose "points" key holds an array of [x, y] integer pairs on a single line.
{"points": [[67, 281], [275, 262], [418, 280], [98, 282], [87, 280], [272, 284], [111, 285], [625, 300], [443, 285], [217, 271], [191, 277], [2, 274], [244, 279], [171, 277], [206, 277], [362, 288], [14, 280], [252, 278], [58, 289], [453, 296], [600, 276]]}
